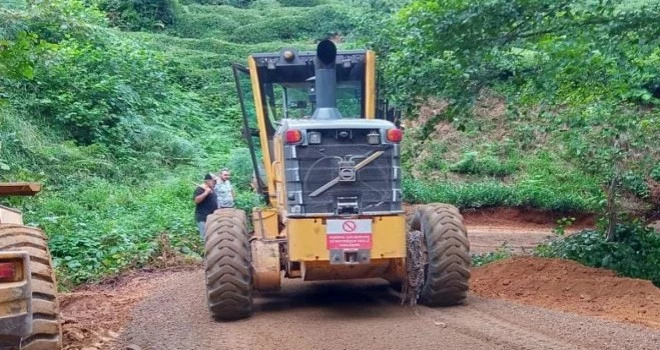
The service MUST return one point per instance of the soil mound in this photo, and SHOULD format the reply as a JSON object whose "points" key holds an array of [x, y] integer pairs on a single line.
{"points": [[569, 286]]}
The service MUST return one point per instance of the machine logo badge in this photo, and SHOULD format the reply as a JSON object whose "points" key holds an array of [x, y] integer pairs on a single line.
{"points": [[346, 174]]}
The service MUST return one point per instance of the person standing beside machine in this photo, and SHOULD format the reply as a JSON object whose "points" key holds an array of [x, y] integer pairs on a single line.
{"points": [[224, 190], [206, 202]]}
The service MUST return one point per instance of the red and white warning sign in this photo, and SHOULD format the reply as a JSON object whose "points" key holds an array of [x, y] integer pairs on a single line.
{"points": [[348, 234]]}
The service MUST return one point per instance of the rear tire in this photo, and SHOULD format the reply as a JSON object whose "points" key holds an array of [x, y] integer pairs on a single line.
{"points": [[228, 265], [46, 326], [447, 269]]}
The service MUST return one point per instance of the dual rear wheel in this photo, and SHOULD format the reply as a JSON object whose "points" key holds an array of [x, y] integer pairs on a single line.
{"points": [[228, 268], [446, 254]]}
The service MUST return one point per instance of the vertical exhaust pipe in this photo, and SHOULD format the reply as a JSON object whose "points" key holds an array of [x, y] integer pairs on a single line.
{"points": [[326, 81]]}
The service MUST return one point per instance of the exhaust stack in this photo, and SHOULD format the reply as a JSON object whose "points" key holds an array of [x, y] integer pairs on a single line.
{"points": [[326, 81]]}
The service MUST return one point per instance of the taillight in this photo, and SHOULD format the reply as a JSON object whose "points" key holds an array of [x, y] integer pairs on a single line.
{"points": [[293, 136], [9, 271], [394, 135]]}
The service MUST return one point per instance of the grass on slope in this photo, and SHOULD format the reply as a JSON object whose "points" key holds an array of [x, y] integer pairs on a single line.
{"points": [[118, 126]]}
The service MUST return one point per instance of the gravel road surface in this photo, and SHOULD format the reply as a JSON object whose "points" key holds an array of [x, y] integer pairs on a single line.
{"points": [[362, 315]]}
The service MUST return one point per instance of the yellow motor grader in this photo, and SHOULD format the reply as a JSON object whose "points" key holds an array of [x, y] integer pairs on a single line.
{"points": [[326, 157], [29, 309]]}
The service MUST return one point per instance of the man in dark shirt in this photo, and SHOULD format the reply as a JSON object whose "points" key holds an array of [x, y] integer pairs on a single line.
{"points": [[206, 202]]}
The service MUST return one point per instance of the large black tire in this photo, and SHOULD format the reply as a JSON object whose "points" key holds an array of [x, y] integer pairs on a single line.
{"points": [[46, 326], [447, 268], [228, 266]]}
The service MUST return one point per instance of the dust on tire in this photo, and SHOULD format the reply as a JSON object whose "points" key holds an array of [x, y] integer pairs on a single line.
{"points": [[447, 267], [46, 325], [228, 270]]}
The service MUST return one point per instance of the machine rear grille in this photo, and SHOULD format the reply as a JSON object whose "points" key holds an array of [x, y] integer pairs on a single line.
{"points": [[376, 188]]}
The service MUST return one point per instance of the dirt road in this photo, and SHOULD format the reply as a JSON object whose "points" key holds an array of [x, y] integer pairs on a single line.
{"points": [[518, 240], [363, 315], [164, 310], [519, 230]]}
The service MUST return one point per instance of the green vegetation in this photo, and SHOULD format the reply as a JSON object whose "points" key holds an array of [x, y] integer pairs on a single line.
{"points": [[556, 93], [118, 107], [118, 124], [634, 253], [548, 104], [502, 253]]}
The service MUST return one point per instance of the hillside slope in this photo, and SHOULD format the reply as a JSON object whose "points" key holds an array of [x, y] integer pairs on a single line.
{"points": [[527, 103], [119, 107]]}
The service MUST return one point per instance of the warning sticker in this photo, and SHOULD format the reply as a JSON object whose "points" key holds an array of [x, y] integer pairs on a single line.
{"points": [[348, 234], [348, 226]]}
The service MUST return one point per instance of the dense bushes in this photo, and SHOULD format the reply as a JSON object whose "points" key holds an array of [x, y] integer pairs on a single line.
{"points": [[316, 23], [99, 227], [483, 194], [96, 113], [235, 3], [635, 253], [576, 79], [217, 23], [473, 163], [302, 3], [257, 3], [98, 118], [97, 88], [141, 14], [471, 44], [263, 24], [119, 125]]}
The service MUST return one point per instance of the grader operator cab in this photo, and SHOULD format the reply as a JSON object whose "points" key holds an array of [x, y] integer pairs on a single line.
{"points": [[29, 309], [328, 164]]}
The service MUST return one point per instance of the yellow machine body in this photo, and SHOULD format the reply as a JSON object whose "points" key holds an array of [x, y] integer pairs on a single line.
{"points": [[298, 246], [327, 161], [307, 246], [307, 239]]}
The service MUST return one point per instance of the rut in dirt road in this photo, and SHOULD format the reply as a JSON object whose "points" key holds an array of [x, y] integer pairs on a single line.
{"points": [[363, 315]]}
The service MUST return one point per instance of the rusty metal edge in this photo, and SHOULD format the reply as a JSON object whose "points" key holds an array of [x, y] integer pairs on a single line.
{"points": [[19, 188]]}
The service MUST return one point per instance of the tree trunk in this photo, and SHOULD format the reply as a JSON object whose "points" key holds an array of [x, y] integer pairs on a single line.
{"points": [[611, 209]]}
